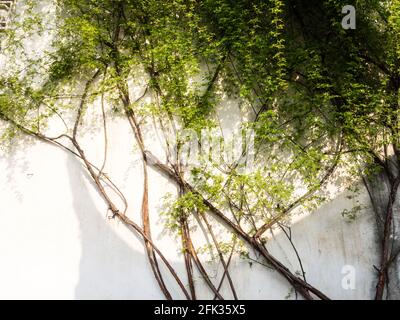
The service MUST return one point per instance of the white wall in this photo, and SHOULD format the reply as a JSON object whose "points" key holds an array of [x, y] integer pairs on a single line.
{"points": [[56, 241]]}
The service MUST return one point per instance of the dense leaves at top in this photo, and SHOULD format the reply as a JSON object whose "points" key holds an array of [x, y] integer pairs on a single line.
{"points": [[312, 90]]}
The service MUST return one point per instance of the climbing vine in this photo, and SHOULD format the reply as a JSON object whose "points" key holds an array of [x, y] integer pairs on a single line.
{"points": [[309, 102]]}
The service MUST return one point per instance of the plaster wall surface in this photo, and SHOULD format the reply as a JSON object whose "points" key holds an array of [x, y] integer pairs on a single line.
{"points": [[56, 241]]}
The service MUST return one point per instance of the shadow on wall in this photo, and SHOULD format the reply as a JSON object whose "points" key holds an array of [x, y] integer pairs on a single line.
{"points": [[337, 255], [109, 268]]}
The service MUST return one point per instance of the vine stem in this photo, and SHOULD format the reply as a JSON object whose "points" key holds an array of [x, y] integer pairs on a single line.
{"points": [[221, 257], [145, 199], [303, 287], [97, 180], [385, 257]]}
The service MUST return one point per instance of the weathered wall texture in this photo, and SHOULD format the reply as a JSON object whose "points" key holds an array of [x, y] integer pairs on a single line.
{"points": [[379, 189], [56, 241]]}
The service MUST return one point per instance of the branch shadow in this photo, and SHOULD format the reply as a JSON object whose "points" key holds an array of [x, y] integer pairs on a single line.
{"points": [[109, 268]]}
